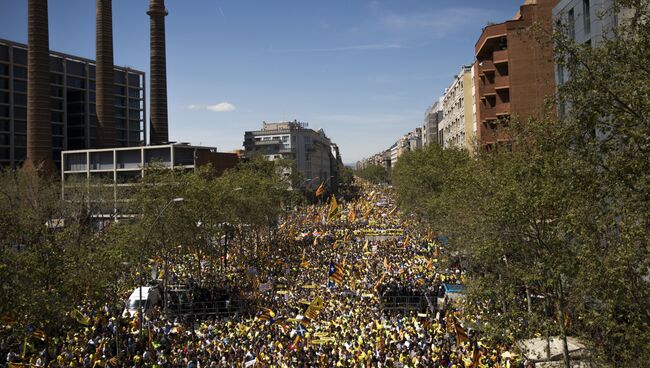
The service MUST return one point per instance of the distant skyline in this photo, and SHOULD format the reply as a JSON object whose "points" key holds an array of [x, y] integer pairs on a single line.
{"points": [[364, 71]]}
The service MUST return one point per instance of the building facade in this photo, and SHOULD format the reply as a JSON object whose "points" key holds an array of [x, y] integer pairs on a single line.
{"points": [[310, 150], [515, 73], [119, 169], [432, 118], [72, 97], [457, 123]]}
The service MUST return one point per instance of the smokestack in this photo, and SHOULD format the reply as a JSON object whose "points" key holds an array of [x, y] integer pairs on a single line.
{"points": [[104, 76], [158, 74], [39, 128]]}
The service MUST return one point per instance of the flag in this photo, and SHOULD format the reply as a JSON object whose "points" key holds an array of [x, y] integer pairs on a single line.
{"points": [[476, 356], [333, 209], [39, 334], [352, 216], [336, 273], [461, 334], [267, 315], [314, 308], [320, 190], [80, 317]]}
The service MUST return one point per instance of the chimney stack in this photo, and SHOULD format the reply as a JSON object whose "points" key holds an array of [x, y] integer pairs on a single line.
{"points": [[39, 127], [158, 74], [104, 76]]}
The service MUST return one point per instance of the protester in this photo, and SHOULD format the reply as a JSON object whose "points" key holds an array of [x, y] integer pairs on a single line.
{"points": [[336, 289]]}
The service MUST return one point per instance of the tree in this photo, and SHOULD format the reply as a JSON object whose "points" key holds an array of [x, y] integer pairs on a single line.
{"points": [[374, 173]]}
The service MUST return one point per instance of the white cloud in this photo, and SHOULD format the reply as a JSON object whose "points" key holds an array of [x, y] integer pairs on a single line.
{"points": [[220, 107]]}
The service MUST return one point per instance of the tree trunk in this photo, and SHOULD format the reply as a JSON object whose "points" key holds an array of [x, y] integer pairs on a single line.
{"points": [[528, 300], [565, 345]]}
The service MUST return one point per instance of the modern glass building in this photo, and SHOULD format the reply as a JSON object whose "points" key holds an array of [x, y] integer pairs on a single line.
{"points": [[72, 96]]}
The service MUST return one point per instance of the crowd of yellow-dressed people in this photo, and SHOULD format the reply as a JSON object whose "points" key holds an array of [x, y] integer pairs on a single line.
{"points": [[319, 298]]}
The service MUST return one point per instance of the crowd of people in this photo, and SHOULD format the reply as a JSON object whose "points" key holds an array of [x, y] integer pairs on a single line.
{"points": [[315, 296]]}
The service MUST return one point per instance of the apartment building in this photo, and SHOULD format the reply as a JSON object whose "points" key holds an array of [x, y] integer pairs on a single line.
{"points": [[515, 72], [432, 118], [310, 150], [457, 109]]}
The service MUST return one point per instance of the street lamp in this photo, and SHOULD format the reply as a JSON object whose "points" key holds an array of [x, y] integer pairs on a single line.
{"points": [[171, 201]]}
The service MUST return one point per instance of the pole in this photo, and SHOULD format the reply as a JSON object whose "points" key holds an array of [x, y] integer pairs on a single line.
{"points": [[141, 307]]}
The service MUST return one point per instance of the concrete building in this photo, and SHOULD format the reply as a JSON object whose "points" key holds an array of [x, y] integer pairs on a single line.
{"points": [[432, 118], [587, 22], [72, 112], [457, 123], [310, 150], [121, 168], [515, 72]]}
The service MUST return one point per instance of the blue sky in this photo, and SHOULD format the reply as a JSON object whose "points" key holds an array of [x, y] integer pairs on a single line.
{"points": [[364, 71]]}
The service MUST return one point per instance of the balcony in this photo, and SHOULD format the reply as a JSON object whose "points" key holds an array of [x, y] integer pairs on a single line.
{"points": [[489, 38], [486, 66], [502, 109], [500, 56], [502, 82], [486, 90], [488, 113]]}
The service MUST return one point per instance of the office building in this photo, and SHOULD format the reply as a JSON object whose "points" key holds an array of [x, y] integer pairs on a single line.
{"points": [[310, 150], [72, 112], [119, 169], [515, 72], [457, 124]]}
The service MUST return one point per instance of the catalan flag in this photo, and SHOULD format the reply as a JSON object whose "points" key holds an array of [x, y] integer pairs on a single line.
{"points": [[461, 334], [267, 315], [39, 334], [314, 308], [320, 190], [333, 209], [352, 216], [336, 272]]}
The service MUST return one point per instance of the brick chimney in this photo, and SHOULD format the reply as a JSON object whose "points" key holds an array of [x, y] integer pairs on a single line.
{"points": [[39, 128], [158, 74], [104, 76]]}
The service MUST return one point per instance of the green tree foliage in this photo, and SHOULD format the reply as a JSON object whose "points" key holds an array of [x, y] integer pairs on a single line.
{"points": [[51, 258], [374, 173], [554, 230]]}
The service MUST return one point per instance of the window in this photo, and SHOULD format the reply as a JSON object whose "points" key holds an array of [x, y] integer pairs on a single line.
{"points": [[20, 86], [20, 72], [56, 116], [56, 64], [134, 79], [4, 52], [134, 92], [560, 74], [76, 68], [56, 79], [20, 113], [586, 9], [56, 91], [120, 78], [572, 25], [20, 56], [5, 125], [20, 99], [4, 69], [4, 97], [20, 140], [5, 139], [20, 126], [76, 82]]}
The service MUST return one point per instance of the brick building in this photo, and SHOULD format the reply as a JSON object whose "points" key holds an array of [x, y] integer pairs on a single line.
{"points": [[515, 71]]}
